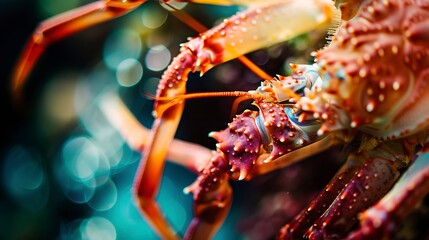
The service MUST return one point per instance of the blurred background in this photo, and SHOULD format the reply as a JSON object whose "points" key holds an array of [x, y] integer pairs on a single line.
{"points": [[66, 173]]}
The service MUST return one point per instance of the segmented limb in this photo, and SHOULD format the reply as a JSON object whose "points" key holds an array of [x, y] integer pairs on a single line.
{"points": [[212, 199], [302, 222], [367, 185], [238, 35], [237, 151], [381, 220], [64, 25]]}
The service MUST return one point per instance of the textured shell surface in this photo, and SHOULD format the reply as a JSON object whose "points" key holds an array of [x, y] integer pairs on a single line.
{"points": [[376, 67]]}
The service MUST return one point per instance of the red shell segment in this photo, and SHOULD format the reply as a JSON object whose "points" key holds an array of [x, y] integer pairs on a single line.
{"points": [[240, 143], [173, 81], [284, 136], [176, 73], [377, 64], [369, 183], [199, 54], [211, 180]]}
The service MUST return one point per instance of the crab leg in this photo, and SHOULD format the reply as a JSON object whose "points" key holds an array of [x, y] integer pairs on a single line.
{"points": [[381, 220], [369, 183], [240, 34], [237, 150], [64, 25], [297, 227], [212, 199]]}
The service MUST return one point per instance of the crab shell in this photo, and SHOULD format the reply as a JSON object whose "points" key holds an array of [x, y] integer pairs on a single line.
{"points": [[377, 68]]}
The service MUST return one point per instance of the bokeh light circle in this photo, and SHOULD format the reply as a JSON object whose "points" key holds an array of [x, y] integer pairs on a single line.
{"points": [[120, 45], [153, 18], [129, 72], [81, 158], [82, 168], [97, 228], [105, 197], [157, 58]]}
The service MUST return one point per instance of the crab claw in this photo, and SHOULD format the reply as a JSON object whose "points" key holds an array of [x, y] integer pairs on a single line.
{"points": [[212, 198], [240, 143]]}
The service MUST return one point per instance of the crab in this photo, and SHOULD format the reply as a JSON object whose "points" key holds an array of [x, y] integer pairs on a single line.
{"points": [[367, 90]]}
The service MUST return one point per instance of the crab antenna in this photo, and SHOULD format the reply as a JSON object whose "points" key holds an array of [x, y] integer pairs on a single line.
{"points": [[201, 95], [197, 26]]}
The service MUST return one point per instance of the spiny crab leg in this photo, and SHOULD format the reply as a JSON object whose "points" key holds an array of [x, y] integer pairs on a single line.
{"points": [[367, 185], [366, 177], [64, 25], [381, 220], [299, 225], [238, 35]]}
